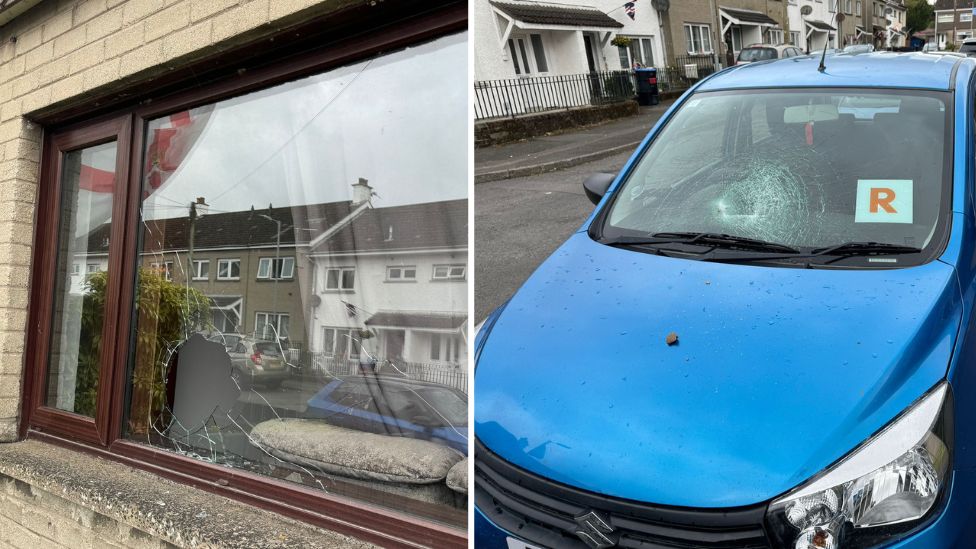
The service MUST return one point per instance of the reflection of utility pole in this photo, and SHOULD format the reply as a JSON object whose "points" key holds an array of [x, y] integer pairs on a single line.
{"points": [[198, 209], [274, 275]]}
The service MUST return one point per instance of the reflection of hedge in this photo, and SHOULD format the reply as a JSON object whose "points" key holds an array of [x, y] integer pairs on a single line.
{"points": [[165, 313]]}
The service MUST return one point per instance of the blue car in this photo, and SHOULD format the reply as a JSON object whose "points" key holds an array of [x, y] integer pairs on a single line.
{"points": [[394, 406], [764, 335]]}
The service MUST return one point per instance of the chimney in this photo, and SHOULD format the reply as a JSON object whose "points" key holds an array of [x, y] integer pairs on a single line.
{"points": [[361, 192]]}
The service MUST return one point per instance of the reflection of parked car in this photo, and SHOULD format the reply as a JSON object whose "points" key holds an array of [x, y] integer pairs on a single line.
{"points": [[968, 47], [257, 361], [859, 48], [765, 52], [395, 406], [226, 339]]}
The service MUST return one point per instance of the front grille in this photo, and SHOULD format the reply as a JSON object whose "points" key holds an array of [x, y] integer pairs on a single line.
{"points": [[543, 512]]}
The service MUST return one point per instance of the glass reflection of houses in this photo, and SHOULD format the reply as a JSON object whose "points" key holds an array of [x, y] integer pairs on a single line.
{"points": [[337, 283]]}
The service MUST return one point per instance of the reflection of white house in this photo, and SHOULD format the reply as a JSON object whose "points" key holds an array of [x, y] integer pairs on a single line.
{"points": [[518, 38], [812, 24], [83, 265], [398, 274]]}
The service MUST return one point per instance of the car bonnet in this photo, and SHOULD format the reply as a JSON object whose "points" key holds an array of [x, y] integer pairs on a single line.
{"points": [[775, 374]]}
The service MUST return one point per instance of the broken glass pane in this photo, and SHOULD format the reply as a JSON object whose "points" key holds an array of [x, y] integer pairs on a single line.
{"points": [[294, 358]]}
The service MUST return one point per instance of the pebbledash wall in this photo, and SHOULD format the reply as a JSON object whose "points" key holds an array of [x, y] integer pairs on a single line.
{"points": [[59, 55]]}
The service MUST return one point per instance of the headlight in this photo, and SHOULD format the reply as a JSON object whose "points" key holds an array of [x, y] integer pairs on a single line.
{"points": [[883, 490]]}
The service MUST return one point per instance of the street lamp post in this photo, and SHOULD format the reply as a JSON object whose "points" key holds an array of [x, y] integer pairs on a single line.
{"points": [[275, 277]]}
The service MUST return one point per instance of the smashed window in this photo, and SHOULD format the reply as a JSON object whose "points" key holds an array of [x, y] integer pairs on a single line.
{"points": [[299, 194], [806, 168]]}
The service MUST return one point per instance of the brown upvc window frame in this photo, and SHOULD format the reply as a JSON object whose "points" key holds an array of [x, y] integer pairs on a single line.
{"points": [[67, 130]]}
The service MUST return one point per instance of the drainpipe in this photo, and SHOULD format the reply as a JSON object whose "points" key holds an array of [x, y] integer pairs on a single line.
{"points": [[718, 33]]}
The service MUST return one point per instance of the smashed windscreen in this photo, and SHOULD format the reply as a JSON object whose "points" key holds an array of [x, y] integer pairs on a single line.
{"points": [[808, 169]]}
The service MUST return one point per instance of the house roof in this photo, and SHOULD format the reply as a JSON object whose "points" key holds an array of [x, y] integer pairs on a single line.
{"points": [[749, 16], [414, 226], [950, 5], [428, 225], [543, 14], [418, 320], [819, 25]]}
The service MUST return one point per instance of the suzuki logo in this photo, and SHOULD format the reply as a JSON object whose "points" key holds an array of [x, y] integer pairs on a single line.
{"points": [[595, 530]]}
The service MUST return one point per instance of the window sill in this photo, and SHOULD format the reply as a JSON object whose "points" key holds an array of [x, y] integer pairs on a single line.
{"points": [[447, 280], [414, 281], [228, 279], [338, 291], [175, 513]]}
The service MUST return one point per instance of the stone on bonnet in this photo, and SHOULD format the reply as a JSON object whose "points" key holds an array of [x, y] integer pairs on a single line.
{"points": [[457, 477], [318, 445]]}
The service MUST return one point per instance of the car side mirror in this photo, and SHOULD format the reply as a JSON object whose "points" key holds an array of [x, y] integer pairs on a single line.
{"points": [[597, 184]]}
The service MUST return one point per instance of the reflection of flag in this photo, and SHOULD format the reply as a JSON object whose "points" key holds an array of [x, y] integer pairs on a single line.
{"points": [[170, 140], [96, 180], [630, 10]]}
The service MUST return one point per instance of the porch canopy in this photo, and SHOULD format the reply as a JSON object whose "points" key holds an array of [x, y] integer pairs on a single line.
{"points": [[814, 25], [745, 18], [417, 320], [535, 16]]}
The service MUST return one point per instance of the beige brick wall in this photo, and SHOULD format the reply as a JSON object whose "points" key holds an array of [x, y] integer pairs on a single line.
{"points": [[33, 518], [63, 52]]}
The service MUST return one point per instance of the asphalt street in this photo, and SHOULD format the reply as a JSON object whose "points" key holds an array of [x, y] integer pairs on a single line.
{"points": [[520, 222]]}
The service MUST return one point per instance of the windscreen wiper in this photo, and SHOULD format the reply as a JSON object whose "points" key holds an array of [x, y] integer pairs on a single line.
{"points": [[718, 240], [840, 251], [866, 248]]}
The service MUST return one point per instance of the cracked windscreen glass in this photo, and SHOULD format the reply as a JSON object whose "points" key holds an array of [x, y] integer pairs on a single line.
{"points": [[810, 169], [301, 307]]}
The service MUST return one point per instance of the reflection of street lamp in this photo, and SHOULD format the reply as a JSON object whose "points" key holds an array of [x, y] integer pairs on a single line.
{"points": [[277, 259], [198, 209]]}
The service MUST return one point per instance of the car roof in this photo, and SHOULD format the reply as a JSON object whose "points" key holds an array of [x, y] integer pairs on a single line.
{"points": [[877, 70]]}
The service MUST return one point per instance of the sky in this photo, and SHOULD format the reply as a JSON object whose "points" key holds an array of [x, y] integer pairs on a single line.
{"points": [[400, 121]]}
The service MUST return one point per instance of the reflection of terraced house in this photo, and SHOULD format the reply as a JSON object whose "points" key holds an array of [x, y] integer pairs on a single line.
{"points": [[397, 274]]}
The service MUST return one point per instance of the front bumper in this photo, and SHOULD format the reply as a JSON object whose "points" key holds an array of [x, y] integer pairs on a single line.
{"points": [[953, 528]]}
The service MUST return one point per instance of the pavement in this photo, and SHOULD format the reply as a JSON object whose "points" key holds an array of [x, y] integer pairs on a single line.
{"points": [[520, 221], [566, 149]]}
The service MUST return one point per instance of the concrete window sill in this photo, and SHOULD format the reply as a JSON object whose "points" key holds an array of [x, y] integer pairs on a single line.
{"points": [[66, 499]]}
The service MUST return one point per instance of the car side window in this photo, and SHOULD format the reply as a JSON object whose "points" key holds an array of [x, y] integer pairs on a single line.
{"points": [[240, 348]]}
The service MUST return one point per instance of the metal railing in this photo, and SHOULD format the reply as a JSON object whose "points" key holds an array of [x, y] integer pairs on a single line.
{"points": [[519, 96], [455, 376], [687, 70]]}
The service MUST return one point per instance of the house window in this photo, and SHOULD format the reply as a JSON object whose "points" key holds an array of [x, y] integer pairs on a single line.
{"points": [[639, 51], [445, 348], [795, 39], [76, 269], [92, 268], [341, 343], [775, 36], [832, 5], [736, 33], [528, 54], [966, 17], [698, 39], [848, 4], [449, 272], [945, 18], [401, 273], [343, 278], [270, 268], [857, 8], [159, 389], [228, 269], [201, 269], [271, 325]]}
